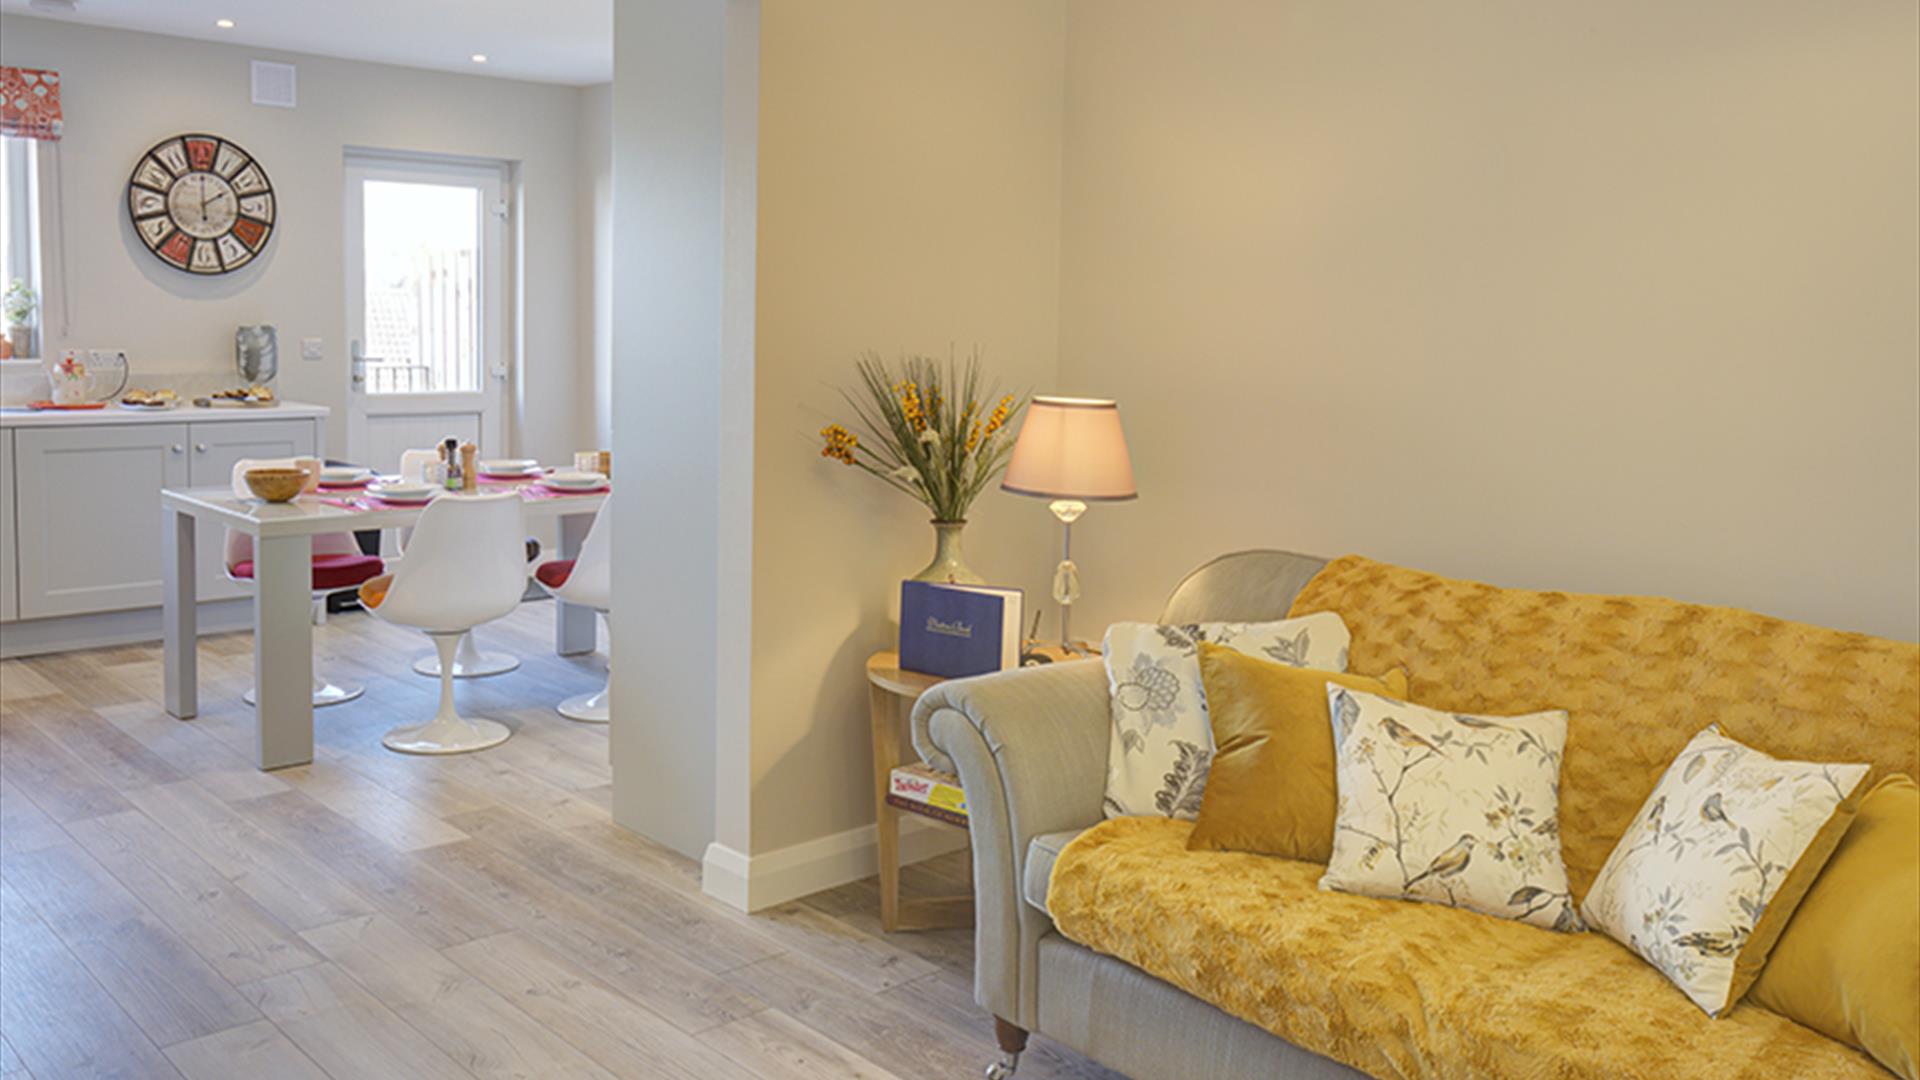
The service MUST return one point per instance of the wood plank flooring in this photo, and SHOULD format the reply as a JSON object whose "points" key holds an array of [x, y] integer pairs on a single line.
{"points": [[167, 910]]}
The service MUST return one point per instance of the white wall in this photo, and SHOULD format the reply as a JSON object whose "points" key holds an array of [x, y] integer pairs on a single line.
{"points": [[594, 140], [1610, 298], [682, 393], [123, 92], [909, 202]]}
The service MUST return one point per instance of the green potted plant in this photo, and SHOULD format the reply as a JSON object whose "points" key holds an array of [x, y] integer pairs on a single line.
{"points": [[18, 305], [933, 432]]}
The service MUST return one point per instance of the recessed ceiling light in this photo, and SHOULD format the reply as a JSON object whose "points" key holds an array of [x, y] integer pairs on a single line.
{"points": [[479, 58], [224, 24]]}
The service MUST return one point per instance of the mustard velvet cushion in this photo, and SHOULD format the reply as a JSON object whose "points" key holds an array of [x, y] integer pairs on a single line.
{"points": [[1271, 789], [1848, 965], [1406, 990], [1638, 676]]}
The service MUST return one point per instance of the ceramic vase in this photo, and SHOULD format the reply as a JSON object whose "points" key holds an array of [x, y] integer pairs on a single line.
{"points": [[948, 564]]}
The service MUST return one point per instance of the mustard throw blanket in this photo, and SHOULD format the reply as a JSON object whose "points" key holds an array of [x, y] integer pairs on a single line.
{"points": [[1399, 989], [1403, 989]]}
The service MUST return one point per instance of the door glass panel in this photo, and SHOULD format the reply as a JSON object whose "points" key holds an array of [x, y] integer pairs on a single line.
{"points": [[423, 295]]}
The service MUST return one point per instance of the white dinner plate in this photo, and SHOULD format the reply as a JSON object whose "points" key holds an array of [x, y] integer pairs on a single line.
{"points": [[344, 474], [403, 492], [570, 479], [509, 466]]}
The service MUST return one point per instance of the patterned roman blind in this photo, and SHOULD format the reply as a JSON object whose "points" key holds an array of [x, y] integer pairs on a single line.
{"points": [[30, 103]]}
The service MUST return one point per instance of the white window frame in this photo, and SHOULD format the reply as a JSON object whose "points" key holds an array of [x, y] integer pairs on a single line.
{"points": [[35, 241]]}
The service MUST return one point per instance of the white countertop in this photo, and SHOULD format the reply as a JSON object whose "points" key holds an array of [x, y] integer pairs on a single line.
{"points": [[185, 414]]}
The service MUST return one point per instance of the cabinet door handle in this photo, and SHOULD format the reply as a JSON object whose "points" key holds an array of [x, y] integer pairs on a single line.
{"points": [[200, 447], [178, 449]]}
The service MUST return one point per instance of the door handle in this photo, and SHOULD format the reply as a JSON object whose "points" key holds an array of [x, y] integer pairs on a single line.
{"points": [[200, 448], [178, 449], [359, 367]]}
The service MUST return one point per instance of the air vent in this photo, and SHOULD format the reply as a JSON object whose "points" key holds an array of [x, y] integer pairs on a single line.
{"points": [[273, 84]]}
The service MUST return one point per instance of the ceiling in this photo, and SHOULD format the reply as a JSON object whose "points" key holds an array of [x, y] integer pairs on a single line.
{"points": [[560, 41]]}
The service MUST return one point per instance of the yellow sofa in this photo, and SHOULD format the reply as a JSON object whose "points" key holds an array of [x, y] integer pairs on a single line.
{"points": [[1390, 988]]}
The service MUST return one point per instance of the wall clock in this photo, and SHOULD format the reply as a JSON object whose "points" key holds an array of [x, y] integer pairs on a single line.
{"points": [[201, 204]]}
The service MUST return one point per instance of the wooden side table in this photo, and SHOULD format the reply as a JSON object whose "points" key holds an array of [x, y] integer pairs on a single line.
{"points": [[891, 694]]}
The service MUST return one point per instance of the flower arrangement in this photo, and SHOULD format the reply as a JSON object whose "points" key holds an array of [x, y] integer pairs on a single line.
{"points": [[19, 303], [927, 430]]}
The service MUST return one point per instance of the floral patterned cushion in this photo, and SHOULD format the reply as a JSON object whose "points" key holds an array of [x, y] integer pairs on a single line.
{"points": [[1711, 868], [1162, 742], [1450, 808]]}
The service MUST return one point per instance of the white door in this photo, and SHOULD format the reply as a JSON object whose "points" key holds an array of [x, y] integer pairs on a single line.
{"points": [[426, 306]]}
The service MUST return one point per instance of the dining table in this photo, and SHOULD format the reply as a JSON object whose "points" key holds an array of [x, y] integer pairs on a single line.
{"points": [[283, 590]]}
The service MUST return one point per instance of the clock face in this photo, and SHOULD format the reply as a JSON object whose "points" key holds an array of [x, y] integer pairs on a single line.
{"points": [[201, 204]]}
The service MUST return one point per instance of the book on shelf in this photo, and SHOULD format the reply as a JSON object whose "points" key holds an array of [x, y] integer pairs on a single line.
{"points": [[958, 630], [919, 789]]}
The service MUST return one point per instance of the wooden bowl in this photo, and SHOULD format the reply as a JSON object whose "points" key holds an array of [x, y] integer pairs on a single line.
{"points": [[276, 485]]}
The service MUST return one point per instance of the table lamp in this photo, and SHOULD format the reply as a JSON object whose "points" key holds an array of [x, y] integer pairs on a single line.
{"points": [[1070, 450]]}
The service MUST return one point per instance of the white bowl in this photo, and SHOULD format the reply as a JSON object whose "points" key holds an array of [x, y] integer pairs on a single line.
{"points": [[508, 466], [403, 492], [570, 479], [343, 474]]}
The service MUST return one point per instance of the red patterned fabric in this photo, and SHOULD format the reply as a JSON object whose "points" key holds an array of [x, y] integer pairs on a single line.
{"points": [[29, 103], [331, 571], [554, 574]]}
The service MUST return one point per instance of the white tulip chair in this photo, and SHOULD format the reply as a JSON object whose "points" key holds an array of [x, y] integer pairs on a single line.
{"points": [[470, 661], [465, 565], [587, 581], [338, 565]]}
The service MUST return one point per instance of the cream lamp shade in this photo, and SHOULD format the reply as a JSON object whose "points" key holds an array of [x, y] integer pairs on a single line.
{"points": [[1071, 448]]}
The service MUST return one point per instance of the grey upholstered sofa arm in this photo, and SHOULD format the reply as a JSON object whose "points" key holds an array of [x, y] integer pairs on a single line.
{"points": [[1030, 748]]}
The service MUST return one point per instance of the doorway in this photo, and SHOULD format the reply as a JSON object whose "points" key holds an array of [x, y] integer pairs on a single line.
{"points": [[426, 305]]}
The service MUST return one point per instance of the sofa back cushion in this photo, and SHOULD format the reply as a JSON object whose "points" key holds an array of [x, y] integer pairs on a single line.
{"points": [[1638, 676]]}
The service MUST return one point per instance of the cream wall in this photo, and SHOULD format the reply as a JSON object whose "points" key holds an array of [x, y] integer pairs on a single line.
{"points": [[909, 200], [124, 91], [1609, 297]]}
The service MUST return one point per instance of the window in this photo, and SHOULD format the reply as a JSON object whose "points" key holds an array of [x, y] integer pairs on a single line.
{"points": [[22, 210]]}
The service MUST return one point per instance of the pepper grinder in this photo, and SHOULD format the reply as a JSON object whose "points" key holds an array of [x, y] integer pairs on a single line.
{"points": [[450, 450], [469, 475]]}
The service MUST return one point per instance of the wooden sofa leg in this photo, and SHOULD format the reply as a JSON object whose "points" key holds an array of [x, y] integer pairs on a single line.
{"points": [[1012, 1039]]}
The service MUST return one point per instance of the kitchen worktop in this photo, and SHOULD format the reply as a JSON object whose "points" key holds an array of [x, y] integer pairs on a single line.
{"points": [[185, 414]]}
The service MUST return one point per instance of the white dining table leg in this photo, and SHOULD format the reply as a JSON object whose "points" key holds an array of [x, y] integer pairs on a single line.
{"points": [[573, 625], [283, 651], [179, 615]]}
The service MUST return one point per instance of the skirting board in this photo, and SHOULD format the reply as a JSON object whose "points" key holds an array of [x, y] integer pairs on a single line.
{"points": [[752, 883], [33, 637]]}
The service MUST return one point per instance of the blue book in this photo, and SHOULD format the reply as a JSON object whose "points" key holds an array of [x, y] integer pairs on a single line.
{"points": [[956, 630]]}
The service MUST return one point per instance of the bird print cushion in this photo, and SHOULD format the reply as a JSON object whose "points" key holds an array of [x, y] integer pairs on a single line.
{"points": [[1162, 743], [1708, 873], [1450, 808]]}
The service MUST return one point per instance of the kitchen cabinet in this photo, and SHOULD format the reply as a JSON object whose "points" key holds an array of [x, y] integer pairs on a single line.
{"points": [[80, 513], [215, 449], [9, 583], [87, 515]]}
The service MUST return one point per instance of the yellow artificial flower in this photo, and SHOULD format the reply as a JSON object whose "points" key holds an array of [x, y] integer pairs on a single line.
{"points": [[841, 443], [910, 405], [999, 416]]}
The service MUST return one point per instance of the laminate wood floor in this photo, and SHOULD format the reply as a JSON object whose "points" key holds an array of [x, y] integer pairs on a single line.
{"points": [[168, 910]]}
